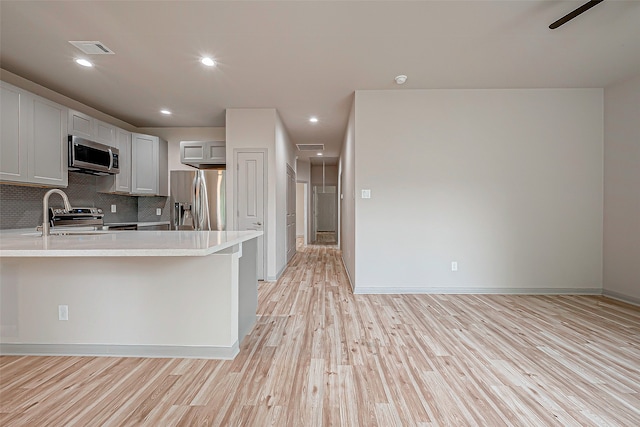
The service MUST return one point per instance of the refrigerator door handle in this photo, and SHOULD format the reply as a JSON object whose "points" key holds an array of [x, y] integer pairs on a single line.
{"points": [[195, 202], [204, 201]]}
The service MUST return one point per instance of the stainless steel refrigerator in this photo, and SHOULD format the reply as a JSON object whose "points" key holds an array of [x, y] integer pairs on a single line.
{"points": [[198, 200]]}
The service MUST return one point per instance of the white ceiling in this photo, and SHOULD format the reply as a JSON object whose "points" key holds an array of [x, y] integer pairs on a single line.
{"points": [[307, 58]]}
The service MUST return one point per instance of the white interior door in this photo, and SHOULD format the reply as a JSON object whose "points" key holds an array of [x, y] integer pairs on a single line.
{"points": [[250, 199]]}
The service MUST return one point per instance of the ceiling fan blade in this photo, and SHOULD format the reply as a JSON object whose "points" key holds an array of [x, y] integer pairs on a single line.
{"points": [[569, 16]]}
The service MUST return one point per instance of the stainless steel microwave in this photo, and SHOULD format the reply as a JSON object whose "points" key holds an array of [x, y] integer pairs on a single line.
{"points": [[92, 157]]}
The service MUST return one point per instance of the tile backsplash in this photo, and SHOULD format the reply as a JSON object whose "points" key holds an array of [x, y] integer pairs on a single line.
{"points": [[147, 207], [21, 206]]}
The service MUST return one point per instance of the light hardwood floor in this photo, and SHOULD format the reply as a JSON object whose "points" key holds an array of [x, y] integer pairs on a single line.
{"points": [[321, 356]]}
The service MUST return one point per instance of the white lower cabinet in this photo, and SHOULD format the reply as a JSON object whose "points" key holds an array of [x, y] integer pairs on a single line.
{"points": [[33, 139]]}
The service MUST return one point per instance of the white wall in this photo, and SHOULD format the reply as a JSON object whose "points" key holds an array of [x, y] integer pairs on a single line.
{"points": [[174, 135], [303, 171], [285, 155], [261, 128], [508, 183], [330, 175], [254, 128], [346, 168], [622, 190]]}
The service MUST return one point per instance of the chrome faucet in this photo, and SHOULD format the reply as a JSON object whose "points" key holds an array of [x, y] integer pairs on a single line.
{"points": [[45, 209]]}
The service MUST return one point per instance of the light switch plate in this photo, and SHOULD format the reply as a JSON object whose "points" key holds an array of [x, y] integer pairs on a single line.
{"points": [[366, 194], [63, 312]]}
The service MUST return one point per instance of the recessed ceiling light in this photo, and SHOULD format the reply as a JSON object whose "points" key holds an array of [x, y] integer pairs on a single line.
{"points": [[166, 112], [319, 154], [313, 120], [84, 62], [208, 61]]}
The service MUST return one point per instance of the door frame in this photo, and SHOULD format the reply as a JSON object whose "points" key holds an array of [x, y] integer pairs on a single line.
{"points": [[305, 186], [265, 194], [305, 210], [339, 203], [290, 201]]}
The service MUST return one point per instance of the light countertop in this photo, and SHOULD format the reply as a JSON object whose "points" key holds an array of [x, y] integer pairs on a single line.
{"points": [[27, 243]]}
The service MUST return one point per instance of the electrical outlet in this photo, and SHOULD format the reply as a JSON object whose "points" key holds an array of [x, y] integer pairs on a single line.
{"points": [[113, 208], [454, 265], [63, 312], [158, 211], [366, 194]]}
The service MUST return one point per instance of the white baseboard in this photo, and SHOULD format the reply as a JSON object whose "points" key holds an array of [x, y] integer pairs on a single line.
{"points": [[481, 291], [346, 270], [621, 297], [160, 351], [277, 276]]}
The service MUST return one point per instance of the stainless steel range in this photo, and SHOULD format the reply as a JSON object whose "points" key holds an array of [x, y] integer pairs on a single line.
{"points": [[76, 217]]}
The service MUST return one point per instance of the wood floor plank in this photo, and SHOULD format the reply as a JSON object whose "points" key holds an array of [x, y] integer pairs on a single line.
{"points": [[321, 356]]}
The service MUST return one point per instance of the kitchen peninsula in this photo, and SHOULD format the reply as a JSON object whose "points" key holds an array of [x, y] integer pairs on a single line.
{"points": [[128, 293]]}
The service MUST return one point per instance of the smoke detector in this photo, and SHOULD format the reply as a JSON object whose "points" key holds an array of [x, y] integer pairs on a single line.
{"points": [[401, 79]]}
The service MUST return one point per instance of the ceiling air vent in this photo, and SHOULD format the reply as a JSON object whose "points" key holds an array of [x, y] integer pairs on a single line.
{"points": [[92, 48], [310, 147]]}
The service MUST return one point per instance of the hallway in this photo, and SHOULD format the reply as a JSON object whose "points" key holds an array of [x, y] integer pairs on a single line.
{"points": [[320, 355]]}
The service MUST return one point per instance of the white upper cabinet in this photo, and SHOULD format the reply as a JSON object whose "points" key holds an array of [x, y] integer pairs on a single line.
{"points": [[33, 144], [104, 133], [123, 179], [144, 171], [47, 148], [149, 167], [13, 152], [93, 129], [203, 153], [80, 124], [121, 182], [85, 126]]}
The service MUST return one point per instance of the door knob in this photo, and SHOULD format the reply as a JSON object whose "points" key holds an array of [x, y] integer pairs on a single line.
{"points": [[257, 223]]}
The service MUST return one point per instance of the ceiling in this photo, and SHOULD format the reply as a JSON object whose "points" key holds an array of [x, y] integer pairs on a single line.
{"points": [[306, 58]]}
